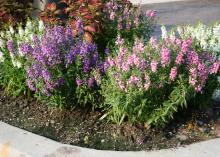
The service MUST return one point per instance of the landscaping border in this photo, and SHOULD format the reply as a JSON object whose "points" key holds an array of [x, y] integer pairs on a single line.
{"points": [[15, 142]]}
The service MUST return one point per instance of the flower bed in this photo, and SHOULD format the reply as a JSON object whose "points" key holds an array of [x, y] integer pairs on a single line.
{"points": [[110, 63]]}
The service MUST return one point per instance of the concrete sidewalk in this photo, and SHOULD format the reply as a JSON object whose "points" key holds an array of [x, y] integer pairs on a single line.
{"points": [[185, 12], [16, 142]]}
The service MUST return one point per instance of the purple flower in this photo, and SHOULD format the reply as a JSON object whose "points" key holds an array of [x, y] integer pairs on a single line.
{"points": [[26, 48], [59, 34], [86, 65], [79, 82], [31, 85], [69, 34], [10, 46], [79, 26], [91, 82]]}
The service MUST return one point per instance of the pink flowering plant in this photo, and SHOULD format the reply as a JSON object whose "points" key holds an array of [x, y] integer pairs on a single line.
{"points": [[149, 82], [127, 20]]}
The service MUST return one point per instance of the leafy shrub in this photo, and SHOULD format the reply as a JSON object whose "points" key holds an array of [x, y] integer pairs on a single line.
{"points": [[149, 83], [13, 74], [102, 20], [89, 11], [13, 12]]}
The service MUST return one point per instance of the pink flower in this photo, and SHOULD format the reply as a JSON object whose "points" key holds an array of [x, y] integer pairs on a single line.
{"points": [[134, 80], [173, 73], [192, 80], [179, 58], [110, 61], [138, 46], [153, 42], [128, 25], [186, 44], [125, 67], [193, 72], [147, 82], [165, 56], [119, 41], [193, 58], [112, 16], [150, 13], [198, 88], [178, 42], [215, 67], [153, 65]]}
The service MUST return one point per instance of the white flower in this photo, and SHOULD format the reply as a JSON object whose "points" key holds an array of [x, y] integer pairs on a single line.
{"points": [[164, 32], [11, 29], [21, 31], [216, 30], [2, 58], [172, 35], [2, 43], [2, 34], [16, 63], [41, 26]]}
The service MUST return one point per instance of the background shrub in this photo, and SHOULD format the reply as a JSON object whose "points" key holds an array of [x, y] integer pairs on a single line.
{"points": [[13, 12]]}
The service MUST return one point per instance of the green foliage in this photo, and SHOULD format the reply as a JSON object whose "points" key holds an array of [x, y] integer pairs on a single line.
{"points": [[13, 79]]}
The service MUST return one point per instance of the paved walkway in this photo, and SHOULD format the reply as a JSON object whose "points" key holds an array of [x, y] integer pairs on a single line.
{"points": [[185, 12], [15, 142]]}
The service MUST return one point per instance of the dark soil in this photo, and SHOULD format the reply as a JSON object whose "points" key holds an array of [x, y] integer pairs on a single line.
{"points": [[83, 127]]}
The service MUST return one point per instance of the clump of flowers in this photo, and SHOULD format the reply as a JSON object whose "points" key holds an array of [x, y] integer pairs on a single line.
{"points": [[60, 67], [127, 20], [149, 82], [206, 37], [11, 41], [12, 58]]}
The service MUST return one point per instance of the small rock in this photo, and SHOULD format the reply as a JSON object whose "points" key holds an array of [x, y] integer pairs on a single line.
{"points": [[102, 140], [182, 137], [217, 130], [47, 123], [52, 121], [169, 135], [200, 123]]}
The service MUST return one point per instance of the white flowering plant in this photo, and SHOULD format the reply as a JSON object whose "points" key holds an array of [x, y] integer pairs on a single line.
{"points": [[206, 37], [150, 82]]}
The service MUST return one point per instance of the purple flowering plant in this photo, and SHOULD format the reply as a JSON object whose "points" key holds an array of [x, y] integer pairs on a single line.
{"points": [[13, 74], [60, 67], [149, 82]]}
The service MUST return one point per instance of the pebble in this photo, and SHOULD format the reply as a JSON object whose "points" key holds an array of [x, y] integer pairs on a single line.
{"points": [[182, 137], [200, 123], [47, 123], [52, 121]]}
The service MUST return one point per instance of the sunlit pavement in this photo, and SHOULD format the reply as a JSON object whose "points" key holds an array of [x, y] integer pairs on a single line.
{"points": [[185, 12]]}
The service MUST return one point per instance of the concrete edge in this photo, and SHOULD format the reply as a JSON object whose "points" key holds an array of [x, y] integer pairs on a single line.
{"points": [[15, 142]]}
